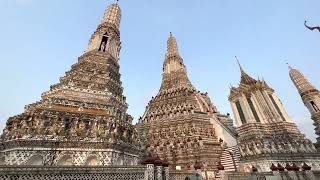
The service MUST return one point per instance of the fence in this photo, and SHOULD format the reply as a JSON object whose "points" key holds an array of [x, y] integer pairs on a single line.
{"points": [[71, 173], [285, 175], [148, 172], [178, 175]]}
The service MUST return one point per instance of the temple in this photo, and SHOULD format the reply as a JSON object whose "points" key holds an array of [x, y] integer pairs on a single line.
{"points": [[178, 124], [82, 120], [266, 134], [80, 127], [310, 97]]}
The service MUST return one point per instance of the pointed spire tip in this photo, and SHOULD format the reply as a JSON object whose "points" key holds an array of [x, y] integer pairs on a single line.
{"points": [[290, 67], [241, 69]]}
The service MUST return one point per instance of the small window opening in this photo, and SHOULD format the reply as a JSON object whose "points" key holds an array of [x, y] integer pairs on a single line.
{"points": [[103, 44], [315, 107]]}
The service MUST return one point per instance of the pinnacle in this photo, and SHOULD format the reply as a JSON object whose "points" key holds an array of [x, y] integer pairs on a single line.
{"points": [[241, 69], [113, 14], [245, 78], [172, 46], [290, 67]]}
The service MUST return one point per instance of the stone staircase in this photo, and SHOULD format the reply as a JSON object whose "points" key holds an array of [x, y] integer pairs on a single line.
{"points": [[230, 158]]}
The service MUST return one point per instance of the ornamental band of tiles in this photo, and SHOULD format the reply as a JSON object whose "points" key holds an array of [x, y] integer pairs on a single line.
{"points": [[82, 120], [176, 124], [310, 97], [266, 134]]}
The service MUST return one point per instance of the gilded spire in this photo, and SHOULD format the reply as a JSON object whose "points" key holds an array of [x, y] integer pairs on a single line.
{"points": [[301, 83], [112, 15]]}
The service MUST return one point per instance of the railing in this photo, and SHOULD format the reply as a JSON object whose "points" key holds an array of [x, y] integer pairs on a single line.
{"points": [[72, 173], [301, 175], [148, 172], [179, 175]]}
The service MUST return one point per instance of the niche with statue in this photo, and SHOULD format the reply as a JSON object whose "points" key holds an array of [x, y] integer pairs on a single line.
{"points": [[104, 42]]}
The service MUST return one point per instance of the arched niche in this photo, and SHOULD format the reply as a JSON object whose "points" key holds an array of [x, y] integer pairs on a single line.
{"points": [[36, 160], [92, 161], [65, 161], [259, 168], [2, 160], [247, 168], [314, 106], [104, 42]]}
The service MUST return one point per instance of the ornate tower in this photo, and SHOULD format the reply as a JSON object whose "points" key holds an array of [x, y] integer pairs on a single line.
{"points": [[177, 122], [266, 134], [310, 97], [83, 119]]}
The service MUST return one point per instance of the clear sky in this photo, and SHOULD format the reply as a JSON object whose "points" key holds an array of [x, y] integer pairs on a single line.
{"points": [[41, 39]]}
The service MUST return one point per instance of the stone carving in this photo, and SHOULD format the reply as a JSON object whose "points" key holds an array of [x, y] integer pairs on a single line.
{"points": [[310, 97], [86, 110], [265, 131], [176, 125]]}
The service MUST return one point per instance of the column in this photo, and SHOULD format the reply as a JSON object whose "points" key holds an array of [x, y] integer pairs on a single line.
{"points": [[167, 173], [275, 114], [281, 107], [277, 174], [264, 105], [310, 175], [259, 111], [159, 173], [149, 174], [293, 175], [246, 109], [236, 114]]}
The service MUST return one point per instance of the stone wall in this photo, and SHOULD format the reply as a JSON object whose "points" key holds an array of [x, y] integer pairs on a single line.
{"points": [[224, 133], [285, 175]]}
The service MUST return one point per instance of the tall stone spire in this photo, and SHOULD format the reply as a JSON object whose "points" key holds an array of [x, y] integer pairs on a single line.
{"points": [[301, 83], [112, 15], [84, 112], [106, 38], [310, 97], [177, 124], [174, 71], [172, 48]]}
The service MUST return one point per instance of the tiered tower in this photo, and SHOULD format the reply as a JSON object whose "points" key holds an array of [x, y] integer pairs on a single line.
{"points": [[266, 134], [83, 119], [176, 124], [310, 97]]}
